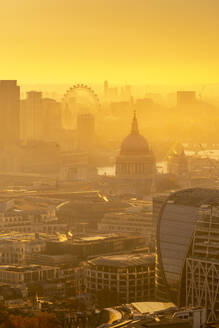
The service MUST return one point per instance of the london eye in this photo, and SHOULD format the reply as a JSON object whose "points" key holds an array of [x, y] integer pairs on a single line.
{"points": [[79, 99]]}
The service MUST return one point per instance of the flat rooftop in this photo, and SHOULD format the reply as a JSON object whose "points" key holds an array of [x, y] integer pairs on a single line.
{"points": [[25, 237], [123, 260], [24, 268], [86, 238]]}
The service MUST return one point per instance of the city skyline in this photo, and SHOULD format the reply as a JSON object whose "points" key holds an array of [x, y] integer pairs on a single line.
{"points": [[109, 163]]}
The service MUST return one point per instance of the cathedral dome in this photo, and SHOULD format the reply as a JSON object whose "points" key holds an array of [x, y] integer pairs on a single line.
{"points": [[134, 143]]}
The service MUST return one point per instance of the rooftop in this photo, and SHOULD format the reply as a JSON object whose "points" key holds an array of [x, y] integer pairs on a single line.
{"points": [[123, 260], [96, 237], [194, 197], [25, 237], [23, 268]]}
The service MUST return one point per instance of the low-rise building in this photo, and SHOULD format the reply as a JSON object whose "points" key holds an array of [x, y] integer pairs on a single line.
{"points": [[130, 277], [27, 274], [29, 215], [85, 246], [15, 247], [63, 280], [152, 314], [129, 221]]}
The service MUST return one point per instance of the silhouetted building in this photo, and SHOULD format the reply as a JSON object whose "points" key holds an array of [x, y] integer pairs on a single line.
{"points": [[106, 89], [85, 132], [32, 117], [40, 157], [76, 167], [177, 163], [135, 165], [185, 98], [9, 111], [126, 92], [142, 104], [120, 108], [52, 120]]}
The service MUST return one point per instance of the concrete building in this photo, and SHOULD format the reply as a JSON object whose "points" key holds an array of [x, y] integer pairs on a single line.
{"points": [[76, 166], [32, 117], [27, 274], [106, 89], [177, 162], [118, 108], [44, 280], [16, 247], [135, 165], [52, 120], [186, 98], [85, 132], [73, 212], [136, 220], [40, 157], [84, 246], [40, 118], [29, 215], [130, 277], [187, 269], [178, 166], [9, 112]]}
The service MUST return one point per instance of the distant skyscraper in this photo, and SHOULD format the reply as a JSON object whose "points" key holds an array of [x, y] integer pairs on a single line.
{"points": [[85, 132], [126, 92], [32, 116], [106, 89], [9, 111], [185, 98], [52, 120]]}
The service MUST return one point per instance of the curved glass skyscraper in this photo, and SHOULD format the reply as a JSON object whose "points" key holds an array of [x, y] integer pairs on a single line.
{"points": [[178, 222]]}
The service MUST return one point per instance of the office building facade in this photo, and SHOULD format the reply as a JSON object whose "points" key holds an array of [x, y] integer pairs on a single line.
{"points": [[9, 111], [186, 250]]}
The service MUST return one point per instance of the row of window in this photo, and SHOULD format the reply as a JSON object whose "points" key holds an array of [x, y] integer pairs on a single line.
{"points": [[121, 272]]}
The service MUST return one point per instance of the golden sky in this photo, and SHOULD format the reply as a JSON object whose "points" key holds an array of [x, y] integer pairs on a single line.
{"points": [[137, 41]]}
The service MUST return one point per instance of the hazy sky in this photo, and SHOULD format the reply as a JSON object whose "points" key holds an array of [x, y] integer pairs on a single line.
{"points": [[135, 41]]}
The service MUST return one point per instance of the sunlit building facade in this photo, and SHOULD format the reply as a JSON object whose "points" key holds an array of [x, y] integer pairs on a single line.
{"points": [[85, 132], [9, 111], [32, 117]]}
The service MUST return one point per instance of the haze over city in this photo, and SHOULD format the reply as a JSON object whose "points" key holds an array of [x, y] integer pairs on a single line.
{"points": [[109, 163]]}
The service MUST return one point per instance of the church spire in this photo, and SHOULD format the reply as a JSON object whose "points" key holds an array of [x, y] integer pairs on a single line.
{"points": [[134, 129]]}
